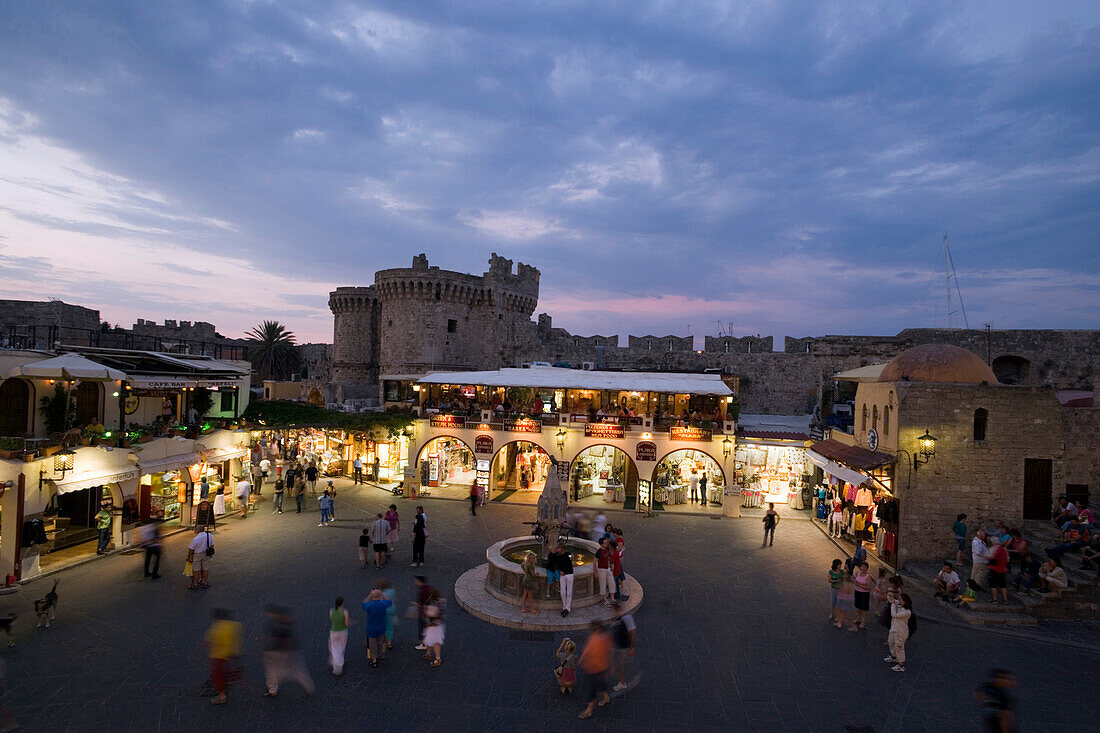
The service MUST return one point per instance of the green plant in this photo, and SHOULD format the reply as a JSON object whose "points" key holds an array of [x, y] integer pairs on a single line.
{"points": [[12, 444], [272, 350], [58, 409], [202, 400]]}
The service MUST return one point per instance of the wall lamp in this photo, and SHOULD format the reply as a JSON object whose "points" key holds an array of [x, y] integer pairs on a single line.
{"points": [[727, 447], [560, 438], [927, 443]]}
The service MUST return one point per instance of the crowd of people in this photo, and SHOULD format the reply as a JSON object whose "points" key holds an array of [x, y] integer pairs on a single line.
{"points": [[854, 595]]}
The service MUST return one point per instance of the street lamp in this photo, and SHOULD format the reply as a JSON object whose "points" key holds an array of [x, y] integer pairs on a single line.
{"points": [[62, 463], [727, 447], [560, 437], [927, 443]]}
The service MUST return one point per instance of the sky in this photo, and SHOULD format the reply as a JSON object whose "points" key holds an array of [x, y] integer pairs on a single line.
{"points": [[670, 167]]}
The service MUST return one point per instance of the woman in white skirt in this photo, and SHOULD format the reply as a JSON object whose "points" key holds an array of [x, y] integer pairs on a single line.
{"points": [[338, 635], [434, 630]]}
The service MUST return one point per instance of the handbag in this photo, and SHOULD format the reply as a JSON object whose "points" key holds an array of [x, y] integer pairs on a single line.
{"points": [[209, 545], [189, 568]]}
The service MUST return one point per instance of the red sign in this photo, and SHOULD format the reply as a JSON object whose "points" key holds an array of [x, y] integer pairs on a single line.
{"points": [[483, 444], [692, 434], [646, 451], [604, 430], [522, 425], [447, 421]]}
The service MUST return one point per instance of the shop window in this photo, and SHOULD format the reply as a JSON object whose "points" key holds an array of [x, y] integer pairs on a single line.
{"points": [[874, 417], [452, 326], [863, 425], [229, 401], [981, 420]]}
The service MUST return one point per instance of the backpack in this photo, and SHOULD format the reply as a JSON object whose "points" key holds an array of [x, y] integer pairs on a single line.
{"points": [[912, 623]]}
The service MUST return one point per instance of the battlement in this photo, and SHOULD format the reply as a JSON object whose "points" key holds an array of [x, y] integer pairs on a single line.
{"points": [[661, 343], [353, 299], [737, 344], [497, 288]]}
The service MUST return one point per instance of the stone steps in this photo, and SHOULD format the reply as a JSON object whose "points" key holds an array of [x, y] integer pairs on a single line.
{"points": [[1016, 613]]}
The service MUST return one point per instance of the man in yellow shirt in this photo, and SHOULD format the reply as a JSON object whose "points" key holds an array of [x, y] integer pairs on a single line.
{"points": [[103, 526], [223, 645]]}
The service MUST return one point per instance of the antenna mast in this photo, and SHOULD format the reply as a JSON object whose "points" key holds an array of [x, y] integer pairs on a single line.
{"points": [[949, 276]]}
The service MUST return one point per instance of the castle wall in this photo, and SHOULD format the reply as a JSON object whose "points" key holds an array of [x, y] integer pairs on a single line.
{"points": [[356, 313]]}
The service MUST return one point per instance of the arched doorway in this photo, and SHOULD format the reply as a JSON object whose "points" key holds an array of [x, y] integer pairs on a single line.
{"points": [[1011, 369], [603, 474], [15, 400], [86, 398], [519, 468], [446, 467], [673, 477]]}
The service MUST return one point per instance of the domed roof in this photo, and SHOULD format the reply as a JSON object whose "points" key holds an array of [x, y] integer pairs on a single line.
{"points": [[942, 363]]}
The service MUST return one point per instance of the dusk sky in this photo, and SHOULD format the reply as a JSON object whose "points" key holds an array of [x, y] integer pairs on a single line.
{"points": [[773, 168]]}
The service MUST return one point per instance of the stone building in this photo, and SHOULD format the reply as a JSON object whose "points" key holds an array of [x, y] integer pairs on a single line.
{"points": [[34, 324], [1002, 452]]}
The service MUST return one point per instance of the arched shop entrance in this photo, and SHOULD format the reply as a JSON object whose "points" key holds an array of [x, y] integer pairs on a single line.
{"points": [[446, 467], [69, 519], [603, 473], [672, 477], [519, 466]]}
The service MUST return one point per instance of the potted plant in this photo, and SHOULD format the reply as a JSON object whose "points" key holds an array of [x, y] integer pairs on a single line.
{"points": [[11, 448], [49, 450], [92, 434]]}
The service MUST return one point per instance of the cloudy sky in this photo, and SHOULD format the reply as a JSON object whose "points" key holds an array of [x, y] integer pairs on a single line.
{"points": [[670, 167]]}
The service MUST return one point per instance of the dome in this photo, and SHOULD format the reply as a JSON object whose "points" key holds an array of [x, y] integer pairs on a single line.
{"points": [[937, 363]]}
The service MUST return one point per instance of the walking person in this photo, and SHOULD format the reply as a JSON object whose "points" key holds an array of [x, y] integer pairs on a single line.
{"points": [[223, 646], [703, 488], [376, 606], [311, 477], [282, 659], [901, 611], [297, 493], [998, 569], [863, 582], [979, 550], [423, 593], [434, 628], [103, 526], [845, 600], [395, 524], [624, 635], [836, 575], [379, 531], [420, 537], [474, 497], [693, 484], [528, 584], [337, 635], [325, 502], [200, 552], [618, 546], [277, 504], [390, 595], [771, 519], [603, 572], [265, 469], [357, 471], [595, 661], [288, 476], [365, 547], [242, 493], [996, 699], [150, 542], [332, 503], [563, 564]]}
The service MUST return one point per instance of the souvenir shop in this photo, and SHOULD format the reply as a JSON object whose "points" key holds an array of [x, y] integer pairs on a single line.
{"points": [[859, 506], [672, 479], [520, 466], [326, 448], [603, 470], [383, 460], [445, 462], [770, 471]]}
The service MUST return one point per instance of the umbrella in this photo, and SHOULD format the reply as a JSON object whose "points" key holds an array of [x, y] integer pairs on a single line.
{"points": [[70, 367]]}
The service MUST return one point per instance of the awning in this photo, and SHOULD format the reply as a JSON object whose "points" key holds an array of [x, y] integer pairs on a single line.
{"points": [[87, 481], [852, 456], [161, 383], [223, 454], [835, 469], [170, 463], [69, 367]]}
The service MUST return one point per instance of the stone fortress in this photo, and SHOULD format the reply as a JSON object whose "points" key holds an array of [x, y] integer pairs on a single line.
{"points": [[419, 319]]}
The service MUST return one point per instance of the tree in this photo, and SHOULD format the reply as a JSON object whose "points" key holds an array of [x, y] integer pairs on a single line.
{"points": [[272, 351], [58, 409]]}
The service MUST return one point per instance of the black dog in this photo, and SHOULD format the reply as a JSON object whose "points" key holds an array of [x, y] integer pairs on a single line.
{"points": [[44, 607]]}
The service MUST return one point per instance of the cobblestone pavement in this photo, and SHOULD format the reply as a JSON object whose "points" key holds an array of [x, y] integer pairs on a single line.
{"points": [[731, 637]]}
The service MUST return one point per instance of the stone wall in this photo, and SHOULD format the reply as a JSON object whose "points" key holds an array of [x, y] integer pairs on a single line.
{"points": [[40, 324], [355, 339], [316, 361], [982, 479], [171, 329]]}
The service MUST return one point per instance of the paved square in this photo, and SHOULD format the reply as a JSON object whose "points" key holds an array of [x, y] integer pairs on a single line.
{"points": [[731, 637]]}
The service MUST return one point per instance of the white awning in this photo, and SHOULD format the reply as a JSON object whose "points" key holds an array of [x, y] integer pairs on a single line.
{"points": [[559, 378], [69, 367], [223, 454], [835, 469], [87, 481], [161, 383], [169, 463]]}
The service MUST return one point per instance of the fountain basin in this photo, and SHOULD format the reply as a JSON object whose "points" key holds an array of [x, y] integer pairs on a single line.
{"points": [[504, 578]]}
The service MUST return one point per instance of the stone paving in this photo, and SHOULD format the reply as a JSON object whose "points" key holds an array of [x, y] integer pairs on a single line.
{"points": [[731, 637]]}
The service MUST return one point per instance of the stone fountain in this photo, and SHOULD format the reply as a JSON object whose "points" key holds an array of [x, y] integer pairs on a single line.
{"points": [[492, 591]]}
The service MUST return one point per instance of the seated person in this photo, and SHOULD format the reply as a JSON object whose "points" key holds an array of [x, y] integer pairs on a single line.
{"points": [[1053, 577], [1084, 514], [1065, 511], [1074, 538], [1029, 573], [947, 582], [971, 594]]}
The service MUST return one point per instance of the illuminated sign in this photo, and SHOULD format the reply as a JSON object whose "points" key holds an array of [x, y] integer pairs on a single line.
{"points": [[692, 434], [523, 425], [447, 421], [646, 451], [483, 444], [604, 430]]}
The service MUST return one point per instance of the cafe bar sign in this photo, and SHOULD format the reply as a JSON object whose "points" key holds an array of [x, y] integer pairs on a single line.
{"points": [[646, 451], [604, 430], [697, 435], [483, 445], [522, 425], [447, 421]]}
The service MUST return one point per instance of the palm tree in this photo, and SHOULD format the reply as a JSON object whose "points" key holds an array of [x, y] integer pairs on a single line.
{"points": [[272, 350]]}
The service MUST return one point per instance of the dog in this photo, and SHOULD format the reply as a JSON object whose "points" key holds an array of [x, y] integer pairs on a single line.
{"points": [[6, 624], [45, 607]]}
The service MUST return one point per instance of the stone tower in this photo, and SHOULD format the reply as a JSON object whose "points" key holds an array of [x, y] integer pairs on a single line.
{"points": [[355, 339], [432, 319]]}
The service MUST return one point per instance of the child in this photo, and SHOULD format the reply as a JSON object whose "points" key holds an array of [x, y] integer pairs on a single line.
{"points": [[844, 603], [566, 672], [971, 594]]}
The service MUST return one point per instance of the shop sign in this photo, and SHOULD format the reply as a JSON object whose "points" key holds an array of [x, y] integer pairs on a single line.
{"points": [[483, 444], [217, 383], [817, 432], [645, 492], [130, 404], [692, 434], [162, 384], [447, 421], [646, 451], [563, 472], [604, 430], [523, 425]]}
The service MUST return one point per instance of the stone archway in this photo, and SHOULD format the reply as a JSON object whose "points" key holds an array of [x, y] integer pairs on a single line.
{"points": [[505, 459], [429, 475], [624, 471], [1012, 369]]}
